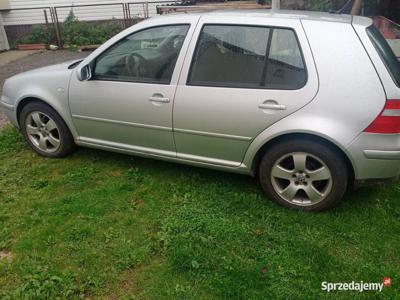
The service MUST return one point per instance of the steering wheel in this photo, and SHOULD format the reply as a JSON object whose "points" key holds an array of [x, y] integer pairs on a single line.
{"points": [[135, 64]]}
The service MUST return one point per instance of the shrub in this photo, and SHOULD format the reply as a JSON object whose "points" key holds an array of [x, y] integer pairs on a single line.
{"points": [[77, 33], [319, 5], [40, 34], [74, 32]]}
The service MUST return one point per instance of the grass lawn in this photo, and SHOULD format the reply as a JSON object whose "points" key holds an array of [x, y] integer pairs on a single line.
{"points": [[110, 226]]}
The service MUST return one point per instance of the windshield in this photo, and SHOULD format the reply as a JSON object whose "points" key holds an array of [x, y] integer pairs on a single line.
{"points": [[387, 42]]}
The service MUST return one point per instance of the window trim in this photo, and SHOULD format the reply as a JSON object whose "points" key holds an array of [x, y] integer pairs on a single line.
{"points": [[94, 61], [381, 56], [271, 28]]}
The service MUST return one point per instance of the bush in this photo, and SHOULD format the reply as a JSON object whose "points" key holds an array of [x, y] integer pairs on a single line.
{"points": [[318, 5], [40, 34], [74, 32], [77, 33]]}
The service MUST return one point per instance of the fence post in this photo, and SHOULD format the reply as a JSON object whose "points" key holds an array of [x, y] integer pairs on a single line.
{"points": [[125, 15], [53, 21], [45, 18], [128, 10], [53, 11]]}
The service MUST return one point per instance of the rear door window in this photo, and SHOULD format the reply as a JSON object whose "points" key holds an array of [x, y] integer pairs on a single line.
{"points": [[386, 52], [248, 57]]}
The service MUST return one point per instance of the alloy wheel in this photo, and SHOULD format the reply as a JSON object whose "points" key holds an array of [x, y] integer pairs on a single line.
{"points": [[301, 178], [43, 132]]}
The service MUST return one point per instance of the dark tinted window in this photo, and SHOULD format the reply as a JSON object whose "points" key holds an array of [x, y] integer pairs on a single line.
{"points": [[146, 56], [386, 53], [248, 57]]}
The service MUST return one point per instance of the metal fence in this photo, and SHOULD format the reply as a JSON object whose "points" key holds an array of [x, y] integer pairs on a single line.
{"points": [[123, 13], [16, 31]]}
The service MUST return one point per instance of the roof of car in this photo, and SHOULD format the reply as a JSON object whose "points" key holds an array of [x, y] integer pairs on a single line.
{"points": [[288, 14], [280, 14]]}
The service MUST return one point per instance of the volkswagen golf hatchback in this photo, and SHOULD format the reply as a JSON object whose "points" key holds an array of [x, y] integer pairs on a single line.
{"points": [[308, 102]]}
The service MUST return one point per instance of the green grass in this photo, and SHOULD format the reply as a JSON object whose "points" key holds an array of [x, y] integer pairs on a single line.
{"points": [[110, 226]]}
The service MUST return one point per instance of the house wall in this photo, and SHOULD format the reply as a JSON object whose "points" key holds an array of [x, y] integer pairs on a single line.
{"points": [[3, 37], [91, 13], [4, 4]]}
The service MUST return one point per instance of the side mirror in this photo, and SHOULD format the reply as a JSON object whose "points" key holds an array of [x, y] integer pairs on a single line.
{"points": [[84, 73]]}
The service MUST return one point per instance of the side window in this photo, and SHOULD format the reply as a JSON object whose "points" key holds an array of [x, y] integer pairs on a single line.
{"points": [[147, 56], [247, 57], [285, 67]]}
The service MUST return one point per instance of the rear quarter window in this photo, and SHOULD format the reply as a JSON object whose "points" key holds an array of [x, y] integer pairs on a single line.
{"points": [[385, 52]]}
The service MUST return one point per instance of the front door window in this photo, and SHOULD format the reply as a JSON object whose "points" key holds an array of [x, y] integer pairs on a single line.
{"points": [[148, 56]]}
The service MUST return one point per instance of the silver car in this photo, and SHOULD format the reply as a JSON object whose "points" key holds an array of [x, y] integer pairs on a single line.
{"points": [[305, 101]]}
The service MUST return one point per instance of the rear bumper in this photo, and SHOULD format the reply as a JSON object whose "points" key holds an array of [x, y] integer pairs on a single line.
{"points": [[376, 156]]}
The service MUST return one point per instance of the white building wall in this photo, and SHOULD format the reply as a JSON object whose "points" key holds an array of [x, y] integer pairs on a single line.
{"points": [[3, 37], [90, 13]]}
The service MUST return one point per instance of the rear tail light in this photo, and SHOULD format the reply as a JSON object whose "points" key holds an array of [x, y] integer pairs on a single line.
{"points": [[388, 120]]}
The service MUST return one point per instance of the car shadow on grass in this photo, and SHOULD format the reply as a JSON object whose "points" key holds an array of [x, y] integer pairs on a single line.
{"points": [[358, 198]]}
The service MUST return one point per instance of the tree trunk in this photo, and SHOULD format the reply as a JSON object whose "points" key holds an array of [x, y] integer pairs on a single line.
{"points": [[356, 10]]}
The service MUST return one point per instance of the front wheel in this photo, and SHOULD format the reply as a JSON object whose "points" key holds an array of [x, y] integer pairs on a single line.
{"points": [[303, 174], [45, 131]]}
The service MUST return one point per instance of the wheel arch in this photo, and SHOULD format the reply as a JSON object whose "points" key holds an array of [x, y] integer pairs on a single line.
{"points": [[307, 136], [29, 99], [24, 101]]}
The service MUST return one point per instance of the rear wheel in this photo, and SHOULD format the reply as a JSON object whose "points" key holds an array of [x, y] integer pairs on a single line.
{"points": [[45, 131], [303, 174]]}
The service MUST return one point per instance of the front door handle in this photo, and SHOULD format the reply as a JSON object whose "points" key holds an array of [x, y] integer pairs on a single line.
{"points": [[158, 98], [272, 104]]}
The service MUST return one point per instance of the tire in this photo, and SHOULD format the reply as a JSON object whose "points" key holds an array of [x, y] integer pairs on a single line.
{"points": [[45, 131], [303, 174]]}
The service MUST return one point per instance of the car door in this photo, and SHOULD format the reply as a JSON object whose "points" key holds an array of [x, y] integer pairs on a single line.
{"points": [[241, 75], [127, 103]]}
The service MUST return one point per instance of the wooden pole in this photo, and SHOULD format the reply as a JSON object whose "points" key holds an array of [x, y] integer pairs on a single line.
{"points": [[356, 10]]}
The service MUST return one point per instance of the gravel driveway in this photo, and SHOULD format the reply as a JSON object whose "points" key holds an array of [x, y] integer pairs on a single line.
{"points": [[34, 61]]}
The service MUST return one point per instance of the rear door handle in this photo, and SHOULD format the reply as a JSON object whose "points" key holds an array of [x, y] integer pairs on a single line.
{"points": [[273, 105], [158, 99]]}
